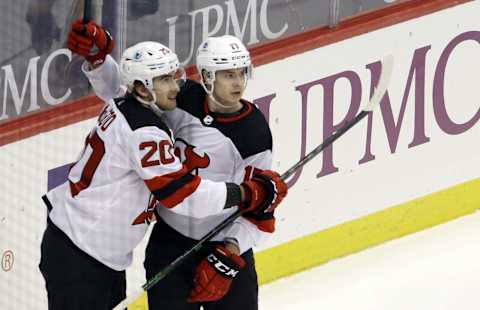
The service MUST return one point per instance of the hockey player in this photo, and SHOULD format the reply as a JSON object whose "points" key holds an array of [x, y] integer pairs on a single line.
{"points": [[213, 120], [98, 216]]}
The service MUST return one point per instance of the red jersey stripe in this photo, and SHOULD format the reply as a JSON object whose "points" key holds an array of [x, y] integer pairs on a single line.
{"points": [[181, 193], [160, 182]]}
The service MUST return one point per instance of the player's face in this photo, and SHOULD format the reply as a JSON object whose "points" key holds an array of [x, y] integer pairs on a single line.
{"points": [[229, 86], [166, 90]]}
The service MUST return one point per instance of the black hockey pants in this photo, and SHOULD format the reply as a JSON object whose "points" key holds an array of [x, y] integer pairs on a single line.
{"points": [[75, 280]]}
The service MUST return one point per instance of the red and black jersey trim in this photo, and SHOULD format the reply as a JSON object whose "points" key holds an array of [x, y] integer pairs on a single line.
{"points": [[173, 186], [171, 189], [248, 129], [176, 190], [247, 108], [139, 116]]}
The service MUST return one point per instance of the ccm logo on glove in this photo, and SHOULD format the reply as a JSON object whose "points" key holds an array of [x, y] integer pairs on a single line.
{"points": [[221, 267], [215, 274]]}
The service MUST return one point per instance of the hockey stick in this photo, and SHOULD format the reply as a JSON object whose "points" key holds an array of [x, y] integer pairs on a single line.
{"points": [[380, 90], [87, 10]]}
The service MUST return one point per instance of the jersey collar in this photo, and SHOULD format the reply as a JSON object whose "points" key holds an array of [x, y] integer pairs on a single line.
{"points": [[246, 109]]}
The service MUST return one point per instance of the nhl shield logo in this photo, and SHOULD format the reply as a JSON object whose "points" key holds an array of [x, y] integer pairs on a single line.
{"points": [[208, 120]]}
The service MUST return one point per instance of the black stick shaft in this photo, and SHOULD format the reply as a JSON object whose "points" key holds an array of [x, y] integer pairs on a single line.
{"points": [[87, 10], [179, 260], [326, 143]]}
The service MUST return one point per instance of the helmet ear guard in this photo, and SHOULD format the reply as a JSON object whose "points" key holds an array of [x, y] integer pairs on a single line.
{"points": [[180, 76], [207, 79], [210, 75]]}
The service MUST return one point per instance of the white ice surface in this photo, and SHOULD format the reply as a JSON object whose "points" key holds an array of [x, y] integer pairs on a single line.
{"points": [[435, 269]]}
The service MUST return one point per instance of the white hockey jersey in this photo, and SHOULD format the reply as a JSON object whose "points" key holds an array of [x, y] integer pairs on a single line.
{"points": [[128, 156], [233, 143]]}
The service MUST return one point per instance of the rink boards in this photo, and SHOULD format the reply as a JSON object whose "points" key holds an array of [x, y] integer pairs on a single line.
{"points": [[424, 169], [410, 166]]}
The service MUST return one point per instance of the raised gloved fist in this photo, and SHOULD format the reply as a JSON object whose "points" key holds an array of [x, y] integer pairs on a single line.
{"points": [[214, 275], [264, 192], [90, 41]]}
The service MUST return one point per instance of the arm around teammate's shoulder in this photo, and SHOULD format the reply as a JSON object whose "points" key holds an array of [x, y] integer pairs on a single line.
{"points": [[105, 79]]}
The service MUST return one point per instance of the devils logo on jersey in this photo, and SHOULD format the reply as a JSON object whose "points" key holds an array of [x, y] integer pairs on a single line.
{"points": [[186, 153]]}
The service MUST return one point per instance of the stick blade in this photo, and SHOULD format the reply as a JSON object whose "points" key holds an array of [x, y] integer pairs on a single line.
{"points": [[381, 89]]}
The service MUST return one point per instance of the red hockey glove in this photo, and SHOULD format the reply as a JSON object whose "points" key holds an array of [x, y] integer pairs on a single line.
{"points": [[90, 41], [264, 221], [214, 275], [264, 192]]}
